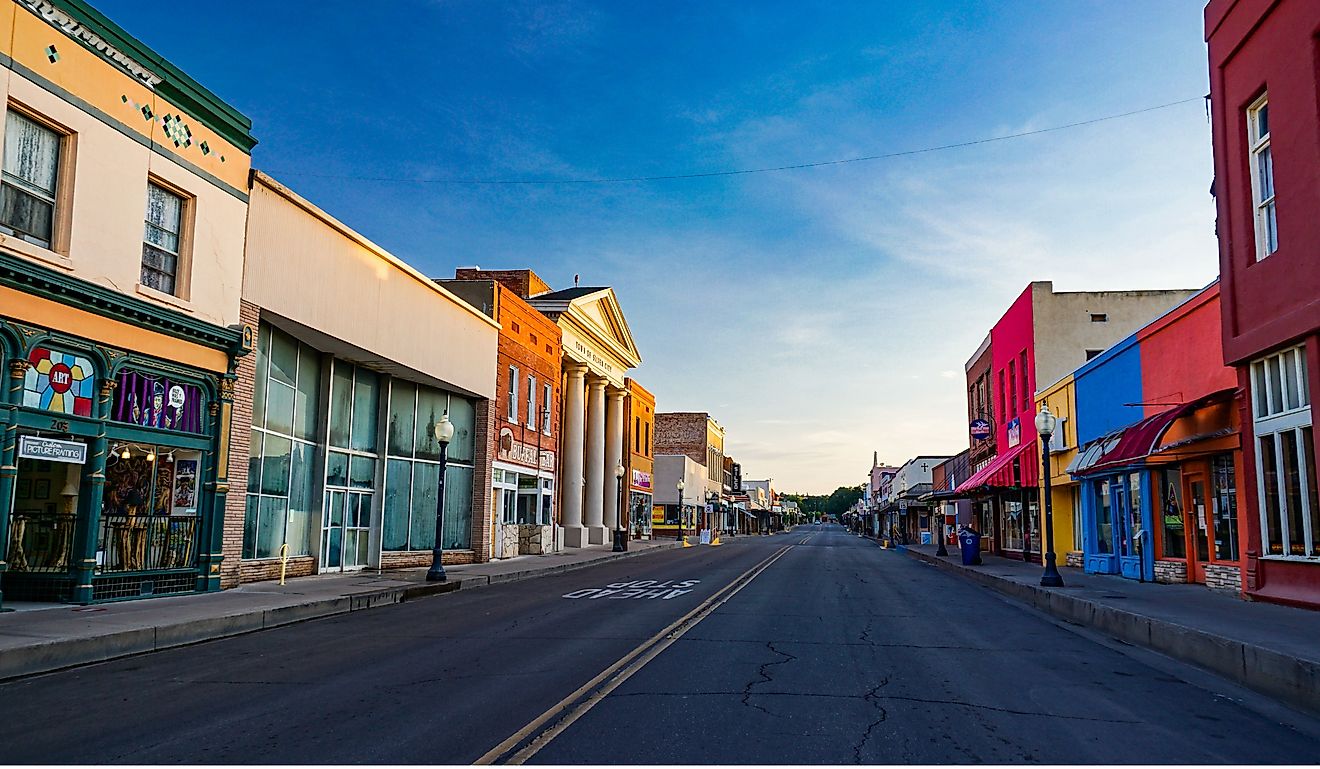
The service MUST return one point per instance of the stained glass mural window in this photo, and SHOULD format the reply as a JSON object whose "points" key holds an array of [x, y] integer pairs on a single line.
{"points": [[60, 382]]}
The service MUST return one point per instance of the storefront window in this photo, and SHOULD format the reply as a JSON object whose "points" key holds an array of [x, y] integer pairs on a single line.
{"points": [[282, 466], [60, 382], [44, 514], [148, 509], [1134, 510], [1013, 525], [1224, 503], [1168, 499], [413, 470], [1104, 522]]}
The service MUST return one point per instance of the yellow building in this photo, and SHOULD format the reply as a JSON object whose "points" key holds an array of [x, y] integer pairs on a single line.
{"points": [[1061, 398], [121, 257]]}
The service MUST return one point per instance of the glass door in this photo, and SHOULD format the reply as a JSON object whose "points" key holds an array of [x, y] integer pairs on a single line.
{"points": [[344, 530], [1198, 541]]}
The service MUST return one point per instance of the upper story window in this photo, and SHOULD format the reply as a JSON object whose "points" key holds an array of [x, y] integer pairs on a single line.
{"points": [[1099, 317], [545, 409], [531, 402], [1262, 178], [31, 173], [162, 239], [513, 394], [1026, 381]]}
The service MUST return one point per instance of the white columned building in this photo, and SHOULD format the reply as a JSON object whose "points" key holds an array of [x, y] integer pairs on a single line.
{"points": [[598, 351]]}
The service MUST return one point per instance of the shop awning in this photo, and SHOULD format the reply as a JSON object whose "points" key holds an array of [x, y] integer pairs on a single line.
{"points": [[997, 474], [1136, 441]]}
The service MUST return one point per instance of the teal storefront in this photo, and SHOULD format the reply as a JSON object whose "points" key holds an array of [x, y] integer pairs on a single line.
{"points": [[110, 479]]}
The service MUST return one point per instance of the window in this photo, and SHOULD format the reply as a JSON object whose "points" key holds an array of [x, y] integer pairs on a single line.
{"points": [[1285, 455], [1104, 520], [637, 435], [1173, 518], [282, 464], [1099, 317], [513, 394], [1003, 407], [1075, 494], [531, 402], [1012, 388], [647, 445], [1026, 381], [545, 409], [1262, 178], [161, 239], [1224, 507], [1091, 354], [29, 180]]}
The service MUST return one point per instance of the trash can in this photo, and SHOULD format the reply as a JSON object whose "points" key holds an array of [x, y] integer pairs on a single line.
{"points": [[970, 542]]}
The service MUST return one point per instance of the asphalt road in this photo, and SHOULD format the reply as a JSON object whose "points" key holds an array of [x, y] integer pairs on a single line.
{"points": [[837, 652]]}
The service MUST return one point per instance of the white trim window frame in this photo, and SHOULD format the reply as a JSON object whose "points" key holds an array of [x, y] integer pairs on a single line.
{"points": [[545, 408], [513, 394], [33, 161], [1285, 461], [162, 247], [1262, 178], [531, 402]]}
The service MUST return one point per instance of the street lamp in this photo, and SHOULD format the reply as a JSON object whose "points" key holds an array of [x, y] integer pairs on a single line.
{"points": [[680, 510], [620, 544], [444, 433], [1045, 424], [942, 549]]}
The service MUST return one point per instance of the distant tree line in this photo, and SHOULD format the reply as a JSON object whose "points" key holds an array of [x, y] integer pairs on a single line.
{"points": [[834, 503]]}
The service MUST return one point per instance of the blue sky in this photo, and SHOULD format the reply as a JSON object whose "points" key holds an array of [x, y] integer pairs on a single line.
{"points": [[819, 314]]}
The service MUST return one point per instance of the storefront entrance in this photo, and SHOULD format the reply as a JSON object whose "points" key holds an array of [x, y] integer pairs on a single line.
{"points": [[345, 529], [45, 510]]}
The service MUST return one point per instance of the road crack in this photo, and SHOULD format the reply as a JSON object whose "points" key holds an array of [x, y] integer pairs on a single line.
{"points": [[764, 672], [872, 697]]}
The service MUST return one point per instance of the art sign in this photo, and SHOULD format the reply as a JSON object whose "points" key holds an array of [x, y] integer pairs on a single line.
{"points": [[148, 400], [641, 590], [980, 429], [1014, 432]]}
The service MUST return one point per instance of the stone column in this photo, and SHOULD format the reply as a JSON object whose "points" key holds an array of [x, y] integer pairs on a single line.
{"points": [[613, 456], [571, 461], [593, 504]]}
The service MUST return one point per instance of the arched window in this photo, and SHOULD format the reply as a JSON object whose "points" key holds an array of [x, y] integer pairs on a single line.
{"points": [[60, 382]]}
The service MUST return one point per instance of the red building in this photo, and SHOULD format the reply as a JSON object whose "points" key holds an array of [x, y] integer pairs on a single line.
{"points": [[1263, 86]]}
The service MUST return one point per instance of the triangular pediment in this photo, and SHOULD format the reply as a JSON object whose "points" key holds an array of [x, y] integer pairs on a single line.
{"points": [[600, 312]]}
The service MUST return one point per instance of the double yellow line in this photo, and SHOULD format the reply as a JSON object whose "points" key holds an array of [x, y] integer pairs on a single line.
{"points": [[563, 714]]}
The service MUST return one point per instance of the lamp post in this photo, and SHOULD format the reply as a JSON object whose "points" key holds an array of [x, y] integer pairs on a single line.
{"points": [[620, 543], [444, 433], [942, 550], [680, 510], [1045, 424]]}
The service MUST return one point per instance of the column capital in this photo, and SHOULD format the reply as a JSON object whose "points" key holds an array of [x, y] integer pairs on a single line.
{"points": [[597, 382], [18, 367], [575, 369]]}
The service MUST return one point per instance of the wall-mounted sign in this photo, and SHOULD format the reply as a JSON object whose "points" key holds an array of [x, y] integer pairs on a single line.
{"points": [[51, 450], [1014, 432], [980, 429], [158, 401], [641, 480], [737, 476], [511, 450]]}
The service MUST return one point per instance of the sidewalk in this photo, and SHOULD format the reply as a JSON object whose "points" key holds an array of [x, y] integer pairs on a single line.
{"points": [[38, 638], [1266, 647]]}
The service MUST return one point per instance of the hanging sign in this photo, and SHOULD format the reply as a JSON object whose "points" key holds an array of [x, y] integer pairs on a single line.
{"points": [[51, 450], [980, 429]]}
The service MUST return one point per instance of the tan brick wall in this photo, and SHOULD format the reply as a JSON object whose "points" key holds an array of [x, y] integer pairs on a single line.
{"points": [[413, 559], [269, 568], [240, 427], [1222, 577], [1075, 559], [1170, 572], [681, 433]]}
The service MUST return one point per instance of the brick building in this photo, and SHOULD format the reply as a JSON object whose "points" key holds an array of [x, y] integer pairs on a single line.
{"points": [[525, 437], [698, 436], [639, 434]]}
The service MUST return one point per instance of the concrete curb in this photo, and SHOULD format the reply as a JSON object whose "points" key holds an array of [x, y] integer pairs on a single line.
{"points": [[1291, 679], [66, 653]]}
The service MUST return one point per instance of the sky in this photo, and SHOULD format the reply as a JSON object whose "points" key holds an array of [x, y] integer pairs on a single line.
{"points": [[819, 314]]}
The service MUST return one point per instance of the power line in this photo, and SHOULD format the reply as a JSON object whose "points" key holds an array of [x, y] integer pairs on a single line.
{"points": [[747, 171]]}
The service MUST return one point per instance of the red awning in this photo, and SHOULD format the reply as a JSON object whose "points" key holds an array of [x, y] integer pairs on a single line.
{"points": [[999, 473], [1138, 441]]}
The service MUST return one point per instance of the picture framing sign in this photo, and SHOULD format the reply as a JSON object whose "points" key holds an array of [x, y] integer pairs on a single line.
{"points": [[52, 450]]}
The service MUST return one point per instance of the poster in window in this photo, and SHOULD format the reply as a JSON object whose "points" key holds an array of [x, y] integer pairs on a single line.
{"points": [[185, 485], [158, 401]]}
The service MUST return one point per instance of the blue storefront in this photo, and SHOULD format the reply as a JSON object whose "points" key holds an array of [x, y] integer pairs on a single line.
{"points": [[1109, 466]]}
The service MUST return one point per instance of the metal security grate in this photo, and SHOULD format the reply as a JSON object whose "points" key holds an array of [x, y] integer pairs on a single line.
{"points": [[111, 588]]}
